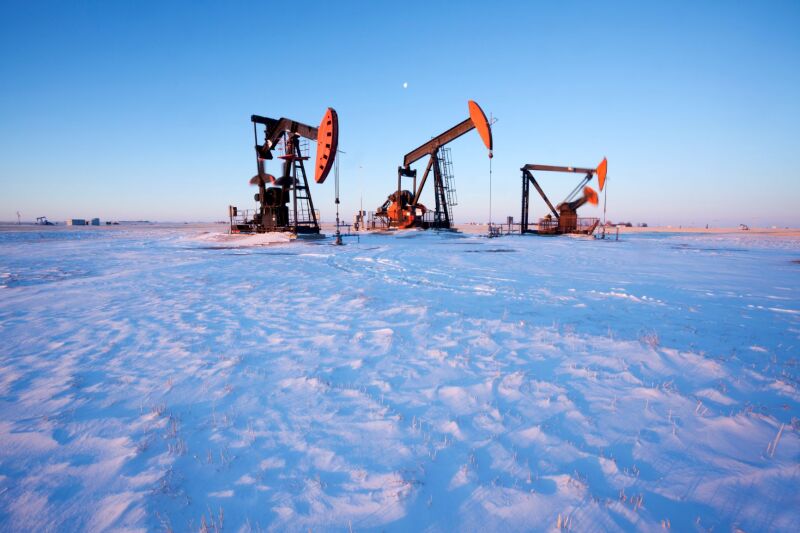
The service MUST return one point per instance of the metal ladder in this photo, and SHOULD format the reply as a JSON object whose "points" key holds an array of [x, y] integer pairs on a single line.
{"points": [[305, 206], [448, 180], [303, 195]]}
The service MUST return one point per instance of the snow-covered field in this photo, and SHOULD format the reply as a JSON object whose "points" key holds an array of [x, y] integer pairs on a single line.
{"points": [[154, 378]]}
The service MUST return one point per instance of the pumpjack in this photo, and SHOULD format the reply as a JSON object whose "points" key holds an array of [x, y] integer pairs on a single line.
{"points": [[402, 209], [275, 194], [564, 217]]}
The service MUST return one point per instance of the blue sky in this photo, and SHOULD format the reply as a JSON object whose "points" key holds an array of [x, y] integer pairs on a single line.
{"points": [[140, 110]]}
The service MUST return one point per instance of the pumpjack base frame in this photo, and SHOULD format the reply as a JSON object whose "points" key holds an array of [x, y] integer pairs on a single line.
{"points": [[566, 222]]}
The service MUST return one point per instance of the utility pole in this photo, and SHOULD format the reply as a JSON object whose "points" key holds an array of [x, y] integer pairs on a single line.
{"points": [[605, 197], [361, 199]]}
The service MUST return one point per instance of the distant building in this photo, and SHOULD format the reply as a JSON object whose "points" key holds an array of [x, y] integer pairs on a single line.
{"points": [[95, 222], [76, 222]]}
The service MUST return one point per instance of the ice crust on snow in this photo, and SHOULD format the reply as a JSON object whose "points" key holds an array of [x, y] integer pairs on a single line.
{"points": [[164, 379], [240, 240]]}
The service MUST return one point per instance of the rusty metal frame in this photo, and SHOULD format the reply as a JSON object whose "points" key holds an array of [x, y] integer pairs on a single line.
{"points": [[442, 218], [276, 128], [288, 131], [528, 179]]}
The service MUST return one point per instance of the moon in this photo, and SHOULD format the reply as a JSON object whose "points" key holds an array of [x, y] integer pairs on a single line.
{"points": [[405, 85]]}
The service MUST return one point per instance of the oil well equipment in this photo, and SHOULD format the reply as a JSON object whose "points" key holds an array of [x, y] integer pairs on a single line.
{"points": [[563, 218], [284, 203], [403, 209]]}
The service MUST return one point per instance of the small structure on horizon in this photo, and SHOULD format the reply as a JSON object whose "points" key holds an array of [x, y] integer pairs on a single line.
{"points": [[82, 222]]}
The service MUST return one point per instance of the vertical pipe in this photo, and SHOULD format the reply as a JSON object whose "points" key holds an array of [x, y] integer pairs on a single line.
{"points": [[490, 196], [336, 172], [294, 180], [490, 184]]}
